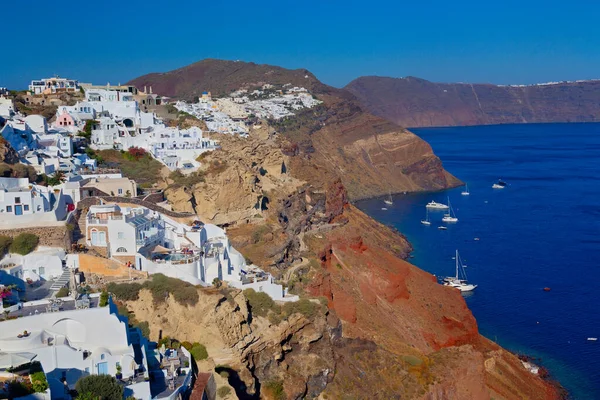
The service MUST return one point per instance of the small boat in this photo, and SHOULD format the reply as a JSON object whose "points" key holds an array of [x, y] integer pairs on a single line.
{"points": [[476, 239], [592, 339], [450, 216], [499, 185], [384, 209], [456, 281], [443, 228], [389, 201], [466, 191], [438, 206], [547, 289], [426, 221]]}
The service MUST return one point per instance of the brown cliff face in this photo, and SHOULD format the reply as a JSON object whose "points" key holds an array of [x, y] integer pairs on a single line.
{"points": [[415, 102]]}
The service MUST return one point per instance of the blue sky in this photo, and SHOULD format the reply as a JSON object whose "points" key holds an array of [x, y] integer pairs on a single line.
{"points": [[448, 41]]}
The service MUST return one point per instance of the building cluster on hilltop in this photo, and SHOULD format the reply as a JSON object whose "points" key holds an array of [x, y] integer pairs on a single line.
{"points": [[51, 325]]}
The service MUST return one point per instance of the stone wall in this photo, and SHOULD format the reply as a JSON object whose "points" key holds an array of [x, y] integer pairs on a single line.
{"points": [[92, 201], [54, 236]]}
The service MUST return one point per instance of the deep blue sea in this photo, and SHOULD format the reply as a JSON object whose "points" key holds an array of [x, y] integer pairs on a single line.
{"points": [[542, 230]]}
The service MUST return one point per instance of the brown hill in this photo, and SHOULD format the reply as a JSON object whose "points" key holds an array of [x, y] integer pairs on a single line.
{"points": [[222, 77], [416, 102]]}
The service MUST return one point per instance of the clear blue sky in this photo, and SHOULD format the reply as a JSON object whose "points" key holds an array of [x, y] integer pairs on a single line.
{"points": [[508, 41]]}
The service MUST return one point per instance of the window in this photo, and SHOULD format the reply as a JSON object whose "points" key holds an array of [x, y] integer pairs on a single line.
{"points": [[120, 235], [42, 271], [121, 250], [8, 208], [87, 370], [102, 356], [26, 207], [17, 200], [120, 191]]}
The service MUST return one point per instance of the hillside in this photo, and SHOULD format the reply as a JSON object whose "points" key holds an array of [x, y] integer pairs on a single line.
{"points": [[378, 327], [415, 102], [372, 156]]}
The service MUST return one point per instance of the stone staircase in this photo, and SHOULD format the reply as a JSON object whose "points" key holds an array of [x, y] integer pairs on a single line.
{"points": [[62, 281]]}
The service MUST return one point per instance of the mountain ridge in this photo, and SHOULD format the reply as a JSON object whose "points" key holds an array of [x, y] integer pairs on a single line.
{"points": [[416, 102]]}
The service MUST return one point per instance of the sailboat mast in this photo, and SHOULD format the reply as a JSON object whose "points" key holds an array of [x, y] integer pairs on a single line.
{"points": [[456, 264]]}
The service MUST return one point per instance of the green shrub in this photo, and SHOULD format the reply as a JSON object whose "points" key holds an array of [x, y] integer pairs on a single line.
{"points": [[224, 391], [144, 327], [188, 180], [103, 298], [62, 292], [161, 286], [125, 291], [39, 382], [199, 352], [24, 243], [260, 302], [302, 306], [104, 387], [5, 242], [187, 345]]}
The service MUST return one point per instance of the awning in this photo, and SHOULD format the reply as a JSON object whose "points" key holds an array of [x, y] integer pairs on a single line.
{"points": [[8, 360]]}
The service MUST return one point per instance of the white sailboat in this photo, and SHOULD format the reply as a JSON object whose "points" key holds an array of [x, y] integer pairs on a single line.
{"points": [[466, 191], [426, 221], [389, 200], [456, 281], [450, 216]]}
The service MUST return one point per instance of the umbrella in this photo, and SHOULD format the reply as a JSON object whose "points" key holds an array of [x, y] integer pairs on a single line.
{"points": [[8, 360], [160, 249]]}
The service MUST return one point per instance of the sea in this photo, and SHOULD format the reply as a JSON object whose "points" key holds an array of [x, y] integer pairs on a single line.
{"points": [[541, 231]]}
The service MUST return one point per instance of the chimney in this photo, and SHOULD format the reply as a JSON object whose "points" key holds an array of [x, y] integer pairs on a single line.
{"points": [[150, 89], [145, 87]]}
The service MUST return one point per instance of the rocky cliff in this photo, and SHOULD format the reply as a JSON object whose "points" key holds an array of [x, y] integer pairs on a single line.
{"points": [[379, 328], [415, 102]]}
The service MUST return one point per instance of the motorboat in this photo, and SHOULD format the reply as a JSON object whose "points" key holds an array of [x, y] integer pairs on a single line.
{"points": [[437, 206], [450, 216], [499, 185], [442, 228], [384, 209], [459, 281]]}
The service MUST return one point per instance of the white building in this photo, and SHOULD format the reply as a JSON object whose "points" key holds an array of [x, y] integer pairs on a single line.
{"points": [[44, 264], [37, 123], [123, 232], [75, 343], [53, 85], [25, 204], [82, 110], [61, 144], [19, 135], [7, 107]]}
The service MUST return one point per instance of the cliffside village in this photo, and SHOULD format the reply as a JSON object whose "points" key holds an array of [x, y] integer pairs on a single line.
{"points": [[48, 320]]}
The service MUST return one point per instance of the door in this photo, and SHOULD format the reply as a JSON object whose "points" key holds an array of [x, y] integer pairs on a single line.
{"points": [[18, 210], [103, 368]]}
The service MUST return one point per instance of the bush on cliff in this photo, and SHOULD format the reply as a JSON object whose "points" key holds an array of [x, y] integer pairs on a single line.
{"points": [[5, 242], [103, 387], [24, 243], [260, 302], [161, 287], [199, 352], [302, 306]]}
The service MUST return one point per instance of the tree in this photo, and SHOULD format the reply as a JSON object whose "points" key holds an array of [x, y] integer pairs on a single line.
{"points": [[57, 178], [105, 387]]}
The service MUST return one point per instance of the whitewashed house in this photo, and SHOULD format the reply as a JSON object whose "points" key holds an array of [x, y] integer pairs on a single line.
{"points": [[44, 264], [25, 204], [82, 110], [37, 123], [19, 135], [7, 107], [53, 85]]}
